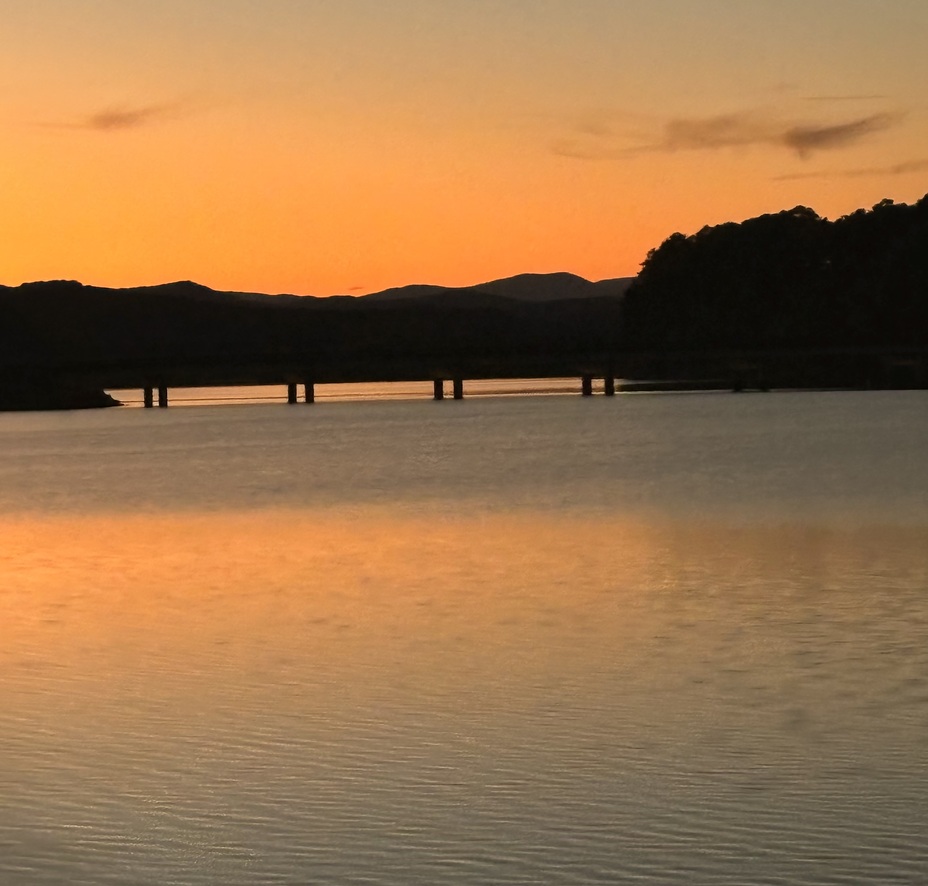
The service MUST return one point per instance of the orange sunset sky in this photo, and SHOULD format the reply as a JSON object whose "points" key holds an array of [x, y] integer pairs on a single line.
{"points": [[344, 146]]}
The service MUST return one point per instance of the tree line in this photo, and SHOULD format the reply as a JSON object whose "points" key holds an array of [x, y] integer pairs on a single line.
{"points": [[787, 280]]}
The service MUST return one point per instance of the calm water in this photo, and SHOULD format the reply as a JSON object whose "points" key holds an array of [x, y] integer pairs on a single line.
{"points": [[509, 640]]}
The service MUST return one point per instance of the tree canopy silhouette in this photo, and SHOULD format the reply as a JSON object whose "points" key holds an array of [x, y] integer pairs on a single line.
{"points": [[787, 280]]}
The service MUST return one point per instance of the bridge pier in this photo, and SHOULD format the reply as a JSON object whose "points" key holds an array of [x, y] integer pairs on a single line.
{"points": [[162, 397], [609, 386], [458, 384], [586, 385], [438, 389], [309, 392], [291, 392], [148, 397]]}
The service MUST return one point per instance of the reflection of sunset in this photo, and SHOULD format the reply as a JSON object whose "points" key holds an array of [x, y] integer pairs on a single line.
{"points": [[256, 583], [262, 691], [356, 600]]}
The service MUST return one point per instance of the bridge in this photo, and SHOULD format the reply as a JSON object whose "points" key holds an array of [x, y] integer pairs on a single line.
{"points": [[606, 373], [587, 384], [300, 374], [300, 377]]}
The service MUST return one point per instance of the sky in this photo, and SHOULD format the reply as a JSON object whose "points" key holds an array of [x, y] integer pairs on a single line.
{"points": [[346, 146]]}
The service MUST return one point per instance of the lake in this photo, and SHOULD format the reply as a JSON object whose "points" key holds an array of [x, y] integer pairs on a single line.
{"points": [[653, 638]]}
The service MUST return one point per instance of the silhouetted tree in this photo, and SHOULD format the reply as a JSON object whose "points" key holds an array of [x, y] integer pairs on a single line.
{"points": [[789, 279]]}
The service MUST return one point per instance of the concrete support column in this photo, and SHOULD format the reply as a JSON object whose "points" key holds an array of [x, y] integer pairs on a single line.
{"points": [[309, 392], [438, 389], [586, 385], [291, 392], [163, 397], [609, 386], [148, 395], [458, 389]]}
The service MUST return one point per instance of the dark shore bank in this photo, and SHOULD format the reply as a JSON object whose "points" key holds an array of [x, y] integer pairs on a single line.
{"points": [[36, 396]]}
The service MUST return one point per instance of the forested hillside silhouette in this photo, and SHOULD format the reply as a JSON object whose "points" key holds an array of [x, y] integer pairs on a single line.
{"points": [[64, 323], [787, 280]]}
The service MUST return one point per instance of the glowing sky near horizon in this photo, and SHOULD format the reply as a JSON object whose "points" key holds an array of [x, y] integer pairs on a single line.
{"points": [[344, 146]]}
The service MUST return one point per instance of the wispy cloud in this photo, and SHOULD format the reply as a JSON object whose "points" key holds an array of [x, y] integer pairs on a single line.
{"points": [[112, 119], [845, 98], [742, 129], [723, 131], [861, 172], [804, 139], [119, 118]]}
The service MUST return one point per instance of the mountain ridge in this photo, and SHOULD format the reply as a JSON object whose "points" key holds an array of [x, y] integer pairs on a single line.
{"points": [[528, 287]]}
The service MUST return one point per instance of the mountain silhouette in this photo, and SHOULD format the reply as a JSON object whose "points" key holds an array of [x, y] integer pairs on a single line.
{"points": [[53, 332], [523, 287]]}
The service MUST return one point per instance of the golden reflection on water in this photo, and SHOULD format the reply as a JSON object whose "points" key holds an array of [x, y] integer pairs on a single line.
{"points": [[494, 600], [262, 582], [245, 692]]}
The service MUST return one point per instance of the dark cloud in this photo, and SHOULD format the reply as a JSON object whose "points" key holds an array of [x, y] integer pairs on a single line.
{"points": [[862, 172], [113, 119], [805, 139], [596, 141], [724, 131], [733, 130], [120, 118]]}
